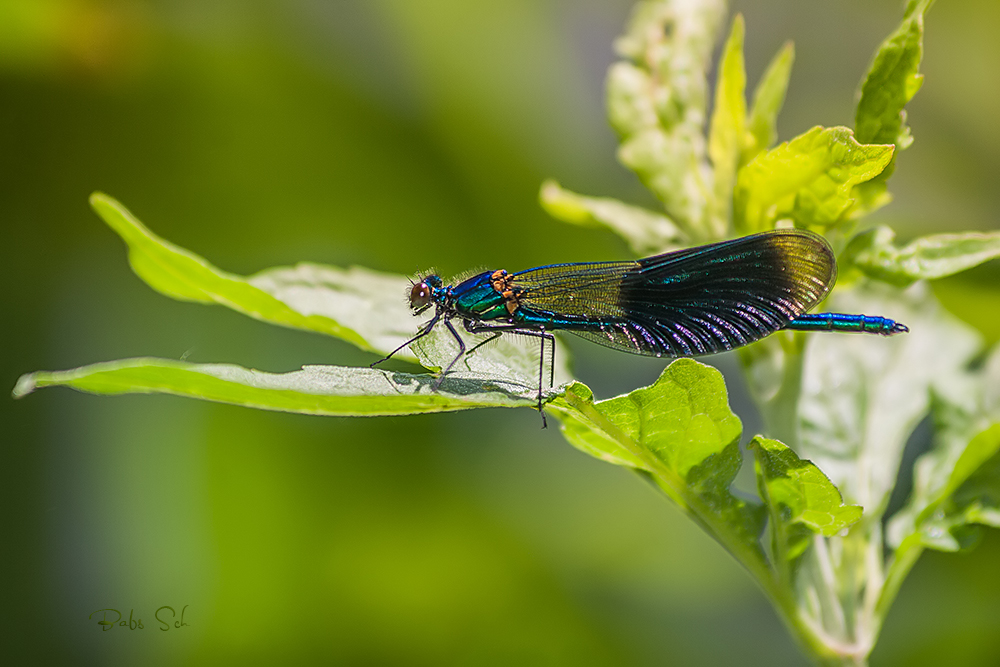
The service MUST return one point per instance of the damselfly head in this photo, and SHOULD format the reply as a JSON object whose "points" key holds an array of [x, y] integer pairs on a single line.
{"points": [[422, 293]]}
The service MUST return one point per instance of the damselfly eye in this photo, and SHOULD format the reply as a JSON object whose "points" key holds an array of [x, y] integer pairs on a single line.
{"points": [[420, 295]]}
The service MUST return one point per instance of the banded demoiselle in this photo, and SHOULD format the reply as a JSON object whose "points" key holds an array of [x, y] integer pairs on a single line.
{"points": [[685, 303]]}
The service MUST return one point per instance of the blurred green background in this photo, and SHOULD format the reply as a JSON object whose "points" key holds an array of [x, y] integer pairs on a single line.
{"points": [[398, 135]]}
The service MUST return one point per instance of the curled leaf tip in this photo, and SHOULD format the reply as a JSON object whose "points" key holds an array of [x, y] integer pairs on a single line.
{"points": [[25, 385]]}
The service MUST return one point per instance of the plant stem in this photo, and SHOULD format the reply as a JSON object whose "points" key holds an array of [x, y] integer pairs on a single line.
{"points": [[810, 638], [902, 562]]}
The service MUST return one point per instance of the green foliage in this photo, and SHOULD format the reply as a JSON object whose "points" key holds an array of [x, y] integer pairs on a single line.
{"points": [[857, 432], [314, 390], [926, 258], [800, 498], [184, 276], [682, 434], [808, 180], [838, 409], [646, 232], [360, 306], [727, 134], [957, 483], [658, 101], [893, 79], [768, 99]]}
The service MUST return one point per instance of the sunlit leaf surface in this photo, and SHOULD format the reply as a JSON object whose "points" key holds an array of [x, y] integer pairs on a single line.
{"points": [[645, 231], [928, 257], [316, 390], [657, 102], [808, 179], [957, 483], [681, 432], [358, 305], [863, 395], [891, 82], [727, 134], [768, 99], [802, 500]]}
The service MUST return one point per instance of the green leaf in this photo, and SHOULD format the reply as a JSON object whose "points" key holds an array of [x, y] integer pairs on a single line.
{"points": [[949, 520], [861, 396], [314, 390], [848, 404], [808, 179], [589, 434], [681, 419], [657, 101], [185, 276], [681, 432], [928, 257], [892, 80], [957, 483], [363, 307], [977, 500], [374, 303], [768, 99], [646, 232], [798, 495], [727, 133]]}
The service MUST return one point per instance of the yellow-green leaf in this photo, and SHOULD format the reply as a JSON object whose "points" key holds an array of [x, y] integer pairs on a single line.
{"points": [[727, 130], [808, 179], [767, 101]]}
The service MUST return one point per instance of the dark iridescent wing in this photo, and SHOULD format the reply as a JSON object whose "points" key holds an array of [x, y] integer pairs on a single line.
{"points": [[690, 302]]}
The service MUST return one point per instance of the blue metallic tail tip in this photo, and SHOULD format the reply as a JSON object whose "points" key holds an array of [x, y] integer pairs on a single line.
{"points": [[898, 328]]}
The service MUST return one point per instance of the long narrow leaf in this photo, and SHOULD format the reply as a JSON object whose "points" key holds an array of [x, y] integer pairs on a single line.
{"points": [[925, 258], [315, 390]]}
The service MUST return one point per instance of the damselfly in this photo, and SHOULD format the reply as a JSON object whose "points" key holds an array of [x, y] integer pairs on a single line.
{"points": [[686, 303]]}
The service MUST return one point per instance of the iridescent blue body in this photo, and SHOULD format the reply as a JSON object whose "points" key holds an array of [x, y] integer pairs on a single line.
{"points": [[690, 302], [847, 323]]}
